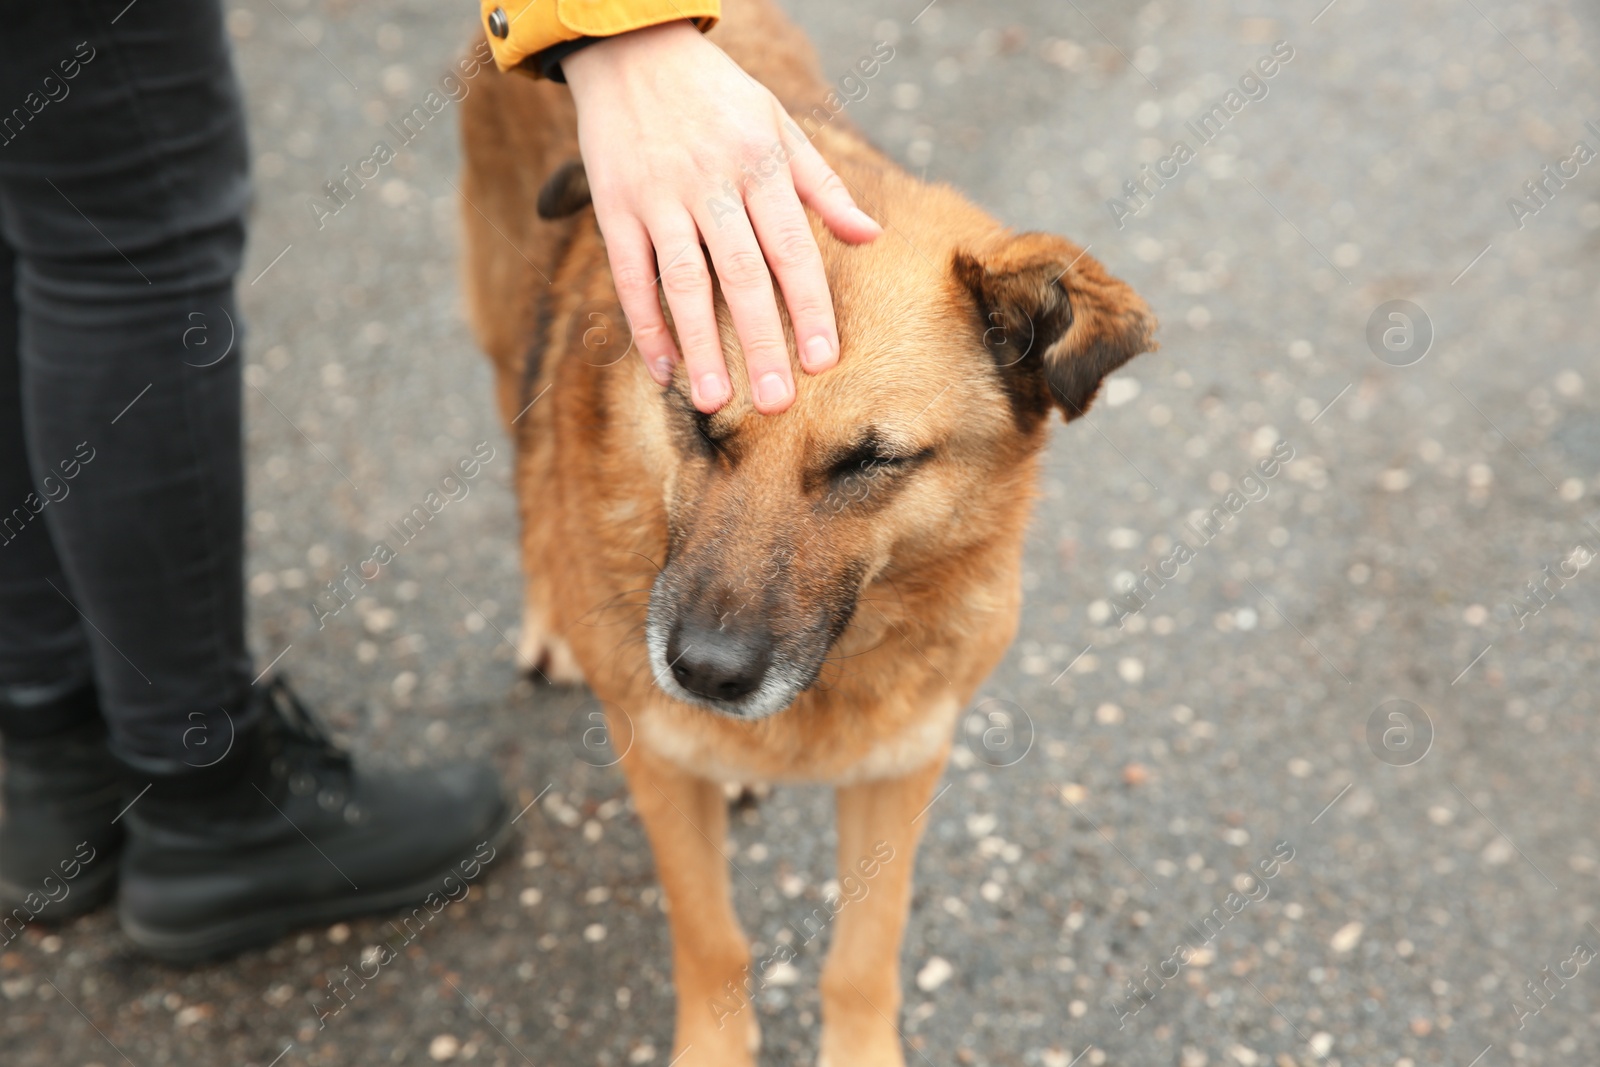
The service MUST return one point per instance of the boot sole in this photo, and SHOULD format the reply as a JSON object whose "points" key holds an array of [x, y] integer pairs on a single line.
{"points": [[262, 928], [87, 894]]}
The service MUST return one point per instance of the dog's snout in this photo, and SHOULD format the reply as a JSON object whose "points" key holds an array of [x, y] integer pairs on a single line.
{"points": [[719, 663]]}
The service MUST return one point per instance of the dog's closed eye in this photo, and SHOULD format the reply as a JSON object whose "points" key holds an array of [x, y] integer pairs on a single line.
{"points": [[873, 457]]}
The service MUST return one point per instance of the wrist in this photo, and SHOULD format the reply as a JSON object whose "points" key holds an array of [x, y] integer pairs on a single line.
{"points": [[600, 61]]}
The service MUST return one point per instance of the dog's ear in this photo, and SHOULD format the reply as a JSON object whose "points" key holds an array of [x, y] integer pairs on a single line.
{"points": [[566, 192], [1055, 322]]}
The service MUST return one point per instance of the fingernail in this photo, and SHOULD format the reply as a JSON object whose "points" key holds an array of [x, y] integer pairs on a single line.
{"points": [[711, 389], [772, 389], [819, 353], [662, 369]]}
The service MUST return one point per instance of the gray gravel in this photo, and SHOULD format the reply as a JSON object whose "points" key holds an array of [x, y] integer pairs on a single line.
{"points": [[1231, 714]]}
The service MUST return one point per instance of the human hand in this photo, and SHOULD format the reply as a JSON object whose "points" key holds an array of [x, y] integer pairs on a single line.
{"points": [[665, 121]]}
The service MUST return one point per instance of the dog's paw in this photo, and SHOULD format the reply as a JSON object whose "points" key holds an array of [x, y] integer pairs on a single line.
{"points": [[546, 656]]}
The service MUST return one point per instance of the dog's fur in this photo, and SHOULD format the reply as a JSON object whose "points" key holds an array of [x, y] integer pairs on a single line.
{"points": [[872, 534]]}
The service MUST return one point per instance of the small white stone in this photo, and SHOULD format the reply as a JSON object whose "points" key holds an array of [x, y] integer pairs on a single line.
{"points": [[1121, 390], [935, 973], [1122, 537], [444, 1047], [594, 932], [781, 973], [1346, 937], [530, 897], [906, 95], [379, 620], [1395, 480]]}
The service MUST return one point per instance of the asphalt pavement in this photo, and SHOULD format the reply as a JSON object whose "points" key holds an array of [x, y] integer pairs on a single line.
{"points": [[1323, 793]]}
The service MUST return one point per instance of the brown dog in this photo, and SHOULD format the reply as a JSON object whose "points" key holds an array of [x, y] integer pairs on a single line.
{"points": [[812, 596]]}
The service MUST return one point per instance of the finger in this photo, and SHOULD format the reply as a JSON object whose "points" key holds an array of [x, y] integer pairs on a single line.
{"points": [[824, 192], [688, 287], [791, 251], [633, 272], [747, 287]]}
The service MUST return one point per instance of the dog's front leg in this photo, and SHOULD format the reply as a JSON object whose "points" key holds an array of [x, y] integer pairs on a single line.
{"points": [[879, 824], [686, 819]]}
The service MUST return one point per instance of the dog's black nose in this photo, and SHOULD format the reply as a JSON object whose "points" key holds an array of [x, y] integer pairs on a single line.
{"points": [[718, 663]]}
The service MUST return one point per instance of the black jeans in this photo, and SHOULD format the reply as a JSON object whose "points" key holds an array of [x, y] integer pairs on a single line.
{"points": [[124, 182]]}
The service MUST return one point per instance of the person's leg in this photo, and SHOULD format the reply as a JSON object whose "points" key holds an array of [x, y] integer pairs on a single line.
{"points": [[60, 788], [42, 644], [124, 198]]}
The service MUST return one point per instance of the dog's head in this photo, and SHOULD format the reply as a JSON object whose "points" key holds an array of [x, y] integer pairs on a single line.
{"points": [[911, 455]]}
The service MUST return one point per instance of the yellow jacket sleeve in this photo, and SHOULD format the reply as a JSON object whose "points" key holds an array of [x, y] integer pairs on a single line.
{"points": [[518, 29]]}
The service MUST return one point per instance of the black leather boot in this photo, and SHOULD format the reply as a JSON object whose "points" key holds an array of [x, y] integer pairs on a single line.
{"points": [[59, 843], [287, 832]]}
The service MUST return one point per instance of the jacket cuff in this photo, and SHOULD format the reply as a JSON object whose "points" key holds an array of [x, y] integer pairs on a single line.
{"points": [[547, 63], [517, 30]]}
